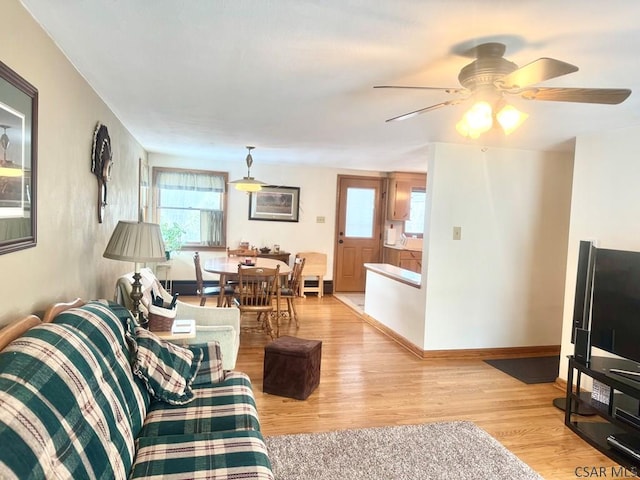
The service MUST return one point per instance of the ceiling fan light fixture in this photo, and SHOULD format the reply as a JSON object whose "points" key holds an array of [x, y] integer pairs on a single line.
{"points": [[476, 121], [510, 118], [490, 78], [479, 116], [463, 128], [248, 183]]}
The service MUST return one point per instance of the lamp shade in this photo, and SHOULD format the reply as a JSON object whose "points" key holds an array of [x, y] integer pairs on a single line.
{"points": [[510, 118], [136, 242], [248, 184]]}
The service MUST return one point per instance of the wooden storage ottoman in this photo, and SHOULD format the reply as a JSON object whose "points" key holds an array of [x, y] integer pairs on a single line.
{"points": [[292, 367]]}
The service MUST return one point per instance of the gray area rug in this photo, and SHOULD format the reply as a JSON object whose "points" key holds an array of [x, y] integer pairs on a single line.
{"points": [[451, 450]]}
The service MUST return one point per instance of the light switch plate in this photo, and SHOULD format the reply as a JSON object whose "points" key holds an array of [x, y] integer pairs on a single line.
{"points": [[457, 233]]}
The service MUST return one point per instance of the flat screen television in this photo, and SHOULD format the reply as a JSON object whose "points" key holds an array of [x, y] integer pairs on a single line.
{"points": [[615, 307]]}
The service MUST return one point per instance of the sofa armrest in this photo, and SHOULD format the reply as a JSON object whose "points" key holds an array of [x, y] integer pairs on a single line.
{"points": [[215, 324], [226, 337], [211, 369], [210, 316]]}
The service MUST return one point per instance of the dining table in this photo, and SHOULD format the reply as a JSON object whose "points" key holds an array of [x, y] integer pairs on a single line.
{"points": [[227, 268]]}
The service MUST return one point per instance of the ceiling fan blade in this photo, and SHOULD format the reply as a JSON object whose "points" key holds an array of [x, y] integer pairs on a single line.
{"points": [[423, 110], [442, 89], [535, 72], [609, 96]]}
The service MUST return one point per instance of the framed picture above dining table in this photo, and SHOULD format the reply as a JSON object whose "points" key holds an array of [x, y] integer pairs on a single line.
{"points": [[275, 203]]}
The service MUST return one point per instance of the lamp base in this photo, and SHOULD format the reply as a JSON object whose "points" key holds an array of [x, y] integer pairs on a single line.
{"points": [[136, 296]]}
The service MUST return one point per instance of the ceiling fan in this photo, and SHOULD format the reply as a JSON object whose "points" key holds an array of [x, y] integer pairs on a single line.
{"points": [[491, 77]]}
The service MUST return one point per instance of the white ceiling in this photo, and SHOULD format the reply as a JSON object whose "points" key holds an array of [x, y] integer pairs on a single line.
{"points": [[204, 78]]}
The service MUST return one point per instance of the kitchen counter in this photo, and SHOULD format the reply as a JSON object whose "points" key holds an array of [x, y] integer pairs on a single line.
{"points": [[402, 275], [401, 247]]}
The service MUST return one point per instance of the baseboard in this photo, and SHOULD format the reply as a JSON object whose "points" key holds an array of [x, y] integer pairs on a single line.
{"points": [[561, 384], [471, 354], [188, 287], [393, 335], [489, 353]]}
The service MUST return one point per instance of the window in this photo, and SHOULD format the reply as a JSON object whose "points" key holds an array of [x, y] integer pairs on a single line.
{"points": [[415, 226], [196, 201], [360, 214]]}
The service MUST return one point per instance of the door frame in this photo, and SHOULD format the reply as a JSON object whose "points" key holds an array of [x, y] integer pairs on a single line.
{"points": [[382, 217]]}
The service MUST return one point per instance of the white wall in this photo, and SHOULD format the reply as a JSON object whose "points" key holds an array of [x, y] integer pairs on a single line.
{"points": [[396, 305], [502, 284], [605, 206], [67, 260], [511, 207], [317, 199]]}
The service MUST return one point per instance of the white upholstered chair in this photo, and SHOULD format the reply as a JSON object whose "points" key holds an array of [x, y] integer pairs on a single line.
{"points": [[212, 323]]}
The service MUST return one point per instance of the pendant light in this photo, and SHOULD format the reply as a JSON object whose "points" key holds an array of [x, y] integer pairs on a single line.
{"points": [[248, 183]]}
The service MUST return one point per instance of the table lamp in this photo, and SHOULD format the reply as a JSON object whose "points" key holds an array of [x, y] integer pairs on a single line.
{"points": [[136, 242]]}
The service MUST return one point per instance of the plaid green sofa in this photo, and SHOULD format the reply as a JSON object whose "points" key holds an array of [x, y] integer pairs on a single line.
{"points": [[72, 407]]}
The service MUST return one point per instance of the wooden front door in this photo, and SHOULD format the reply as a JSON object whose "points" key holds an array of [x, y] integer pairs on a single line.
{"points": [[358, 234]]}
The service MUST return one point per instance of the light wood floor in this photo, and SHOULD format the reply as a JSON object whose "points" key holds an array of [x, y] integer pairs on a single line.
{"points": [[368, 380]]}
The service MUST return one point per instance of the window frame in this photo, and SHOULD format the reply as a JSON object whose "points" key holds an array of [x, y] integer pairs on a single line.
{"points": [[421, 190], [155, 202]]}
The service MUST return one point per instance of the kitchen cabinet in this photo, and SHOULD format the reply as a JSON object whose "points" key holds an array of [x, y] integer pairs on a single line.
{"points": [[407, 259], [399, 189]]}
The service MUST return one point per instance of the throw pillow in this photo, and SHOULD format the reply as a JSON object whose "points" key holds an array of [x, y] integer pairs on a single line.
{"points": [[166, 369], [210, 371]]}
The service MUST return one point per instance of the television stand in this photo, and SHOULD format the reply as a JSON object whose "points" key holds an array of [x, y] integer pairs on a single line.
{"points": [[583, 408], [614, 436], [630, 374]]}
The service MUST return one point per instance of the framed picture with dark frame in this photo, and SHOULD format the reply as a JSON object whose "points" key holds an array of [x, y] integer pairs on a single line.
{"points": [[275, 203], [18, 154]]}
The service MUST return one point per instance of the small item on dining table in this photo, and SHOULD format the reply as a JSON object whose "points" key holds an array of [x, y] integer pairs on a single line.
{"points": [[249, 261]]}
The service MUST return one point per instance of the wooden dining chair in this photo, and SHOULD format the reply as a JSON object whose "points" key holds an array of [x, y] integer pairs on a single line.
{"points": [[256, 293], [242, 252], [204, 292], [290, 291]]}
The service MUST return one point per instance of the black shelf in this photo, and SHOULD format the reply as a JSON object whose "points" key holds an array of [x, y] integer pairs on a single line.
{"points": [[624, 393]]}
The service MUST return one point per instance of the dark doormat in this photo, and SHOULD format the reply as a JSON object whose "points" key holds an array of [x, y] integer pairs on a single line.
{"points": [[529, 369]]}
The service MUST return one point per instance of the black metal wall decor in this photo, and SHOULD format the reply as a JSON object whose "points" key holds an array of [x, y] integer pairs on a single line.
{"points": [[101, 163]]}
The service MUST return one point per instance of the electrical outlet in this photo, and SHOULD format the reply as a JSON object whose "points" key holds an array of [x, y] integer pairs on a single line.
{"points": [[457, 233], [319, 219]]}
